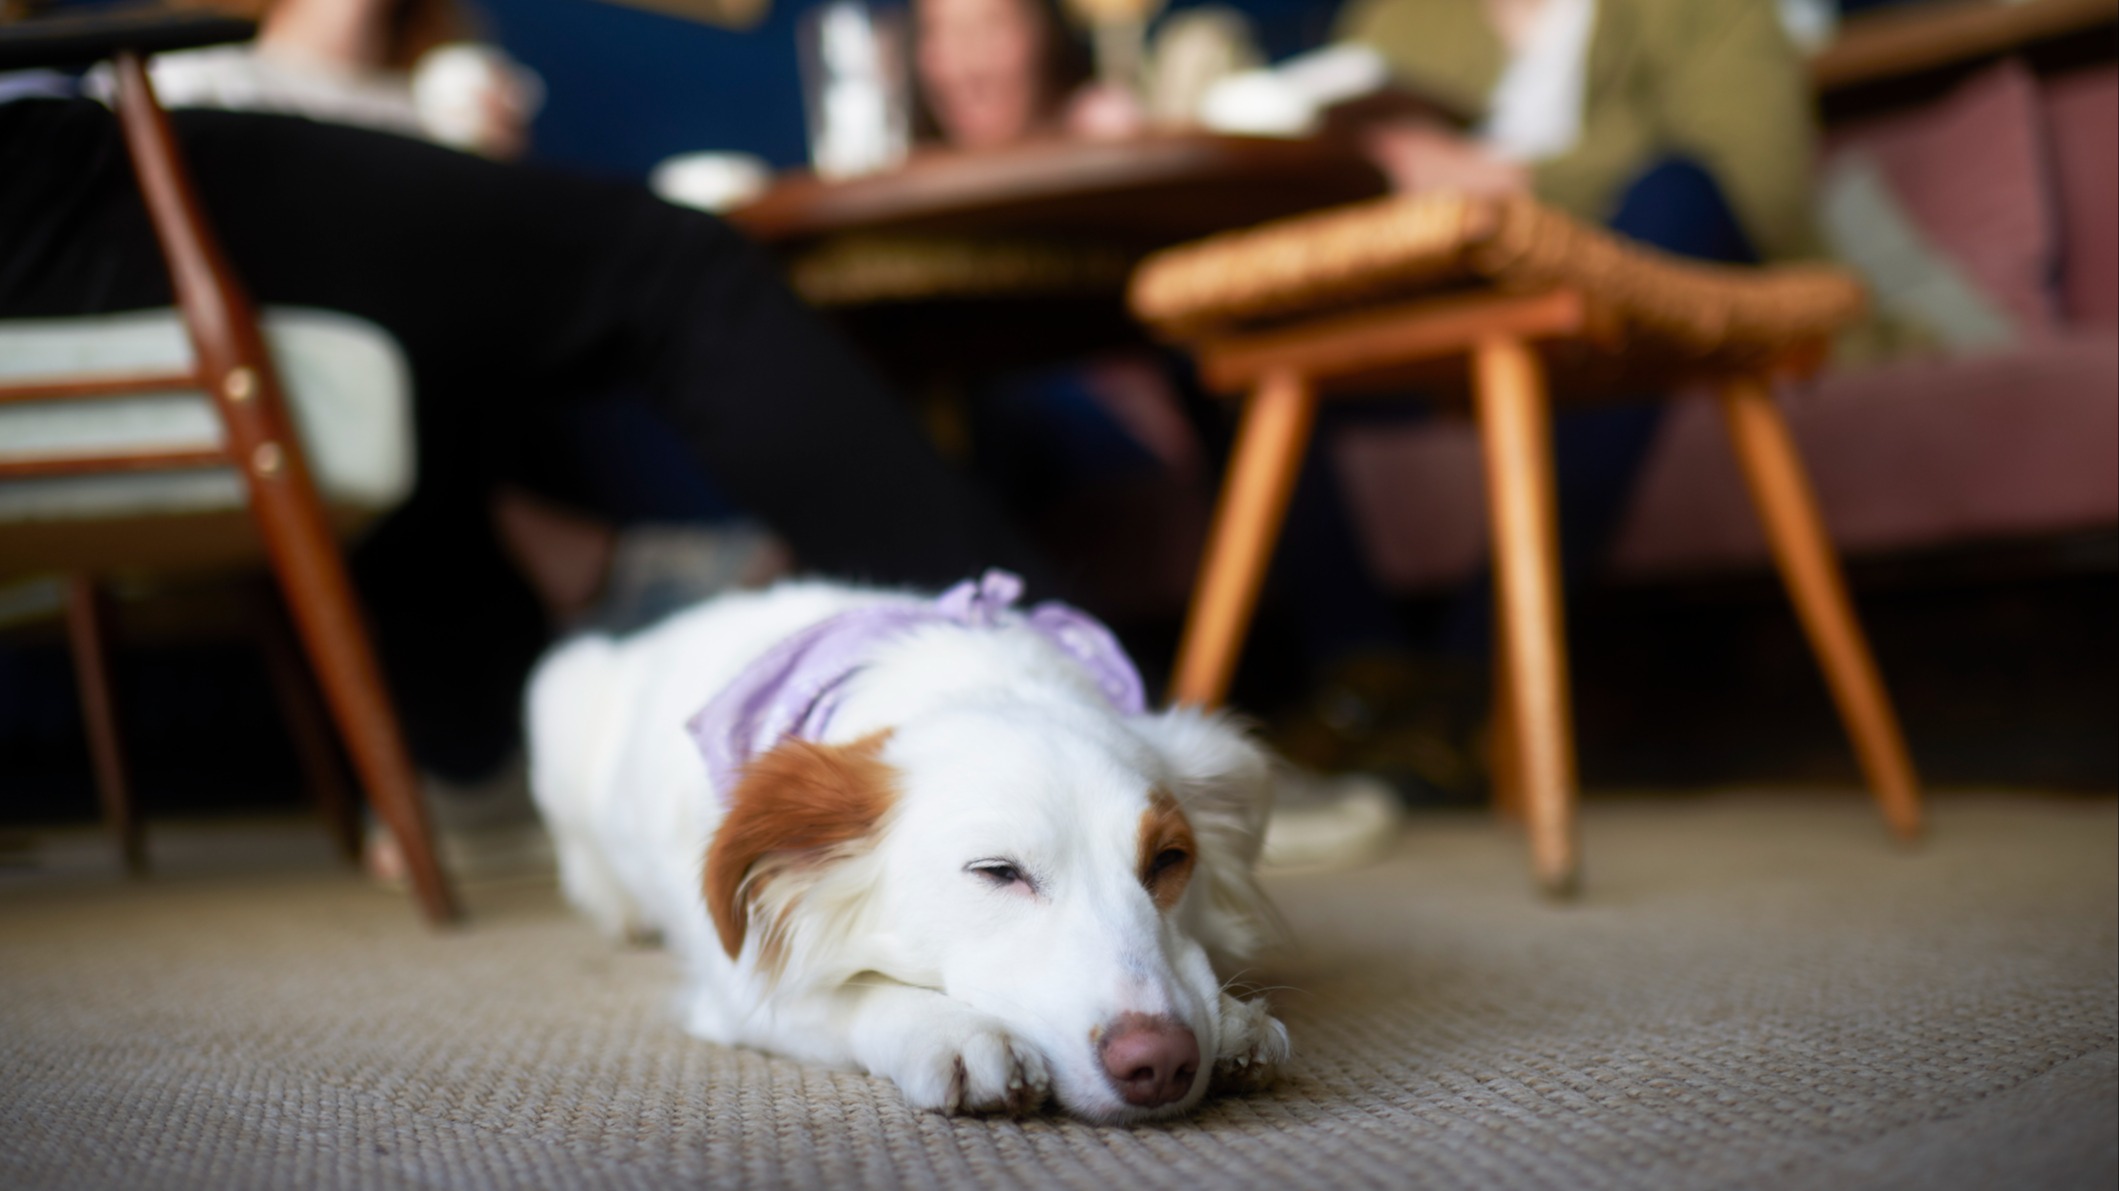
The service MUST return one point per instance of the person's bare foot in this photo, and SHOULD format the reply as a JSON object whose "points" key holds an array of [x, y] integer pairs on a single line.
{"points": [[564, 554]]}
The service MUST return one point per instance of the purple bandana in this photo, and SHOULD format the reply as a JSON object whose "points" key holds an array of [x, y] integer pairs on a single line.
{"points": [[795, 687]]}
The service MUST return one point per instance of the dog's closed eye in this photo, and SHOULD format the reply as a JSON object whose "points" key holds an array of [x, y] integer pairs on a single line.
{"points": [[1167, 860], [1001, 874]]}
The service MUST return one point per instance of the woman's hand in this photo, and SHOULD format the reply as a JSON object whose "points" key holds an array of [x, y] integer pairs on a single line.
{"points": [[1419, 158]]}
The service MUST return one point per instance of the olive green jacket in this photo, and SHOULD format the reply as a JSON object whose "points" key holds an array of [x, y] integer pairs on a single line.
{"points": [[1714, 80]]}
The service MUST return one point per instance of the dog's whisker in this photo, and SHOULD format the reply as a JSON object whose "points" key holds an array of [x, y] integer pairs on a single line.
{"points": [[1262, 989]]}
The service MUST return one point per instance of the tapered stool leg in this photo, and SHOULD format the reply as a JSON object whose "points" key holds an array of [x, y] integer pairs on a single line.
{"points": [[88, 638], [1503, 749], [1515, 425], [1810, 568], [1254, 501]]}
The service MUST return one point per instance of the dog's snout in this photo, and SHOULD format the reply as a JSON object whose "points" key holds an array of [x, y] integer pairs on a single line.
{"points": [[1151, 1060]]}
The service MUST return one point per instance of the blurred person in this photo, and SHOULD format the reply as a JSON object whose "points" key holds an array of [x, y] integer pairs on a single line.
{"points": [[414, 67], [520, 297], [1686, 125], [1593, 105], [992, 73], [407, 66], [995, 72], [1683, 124]]}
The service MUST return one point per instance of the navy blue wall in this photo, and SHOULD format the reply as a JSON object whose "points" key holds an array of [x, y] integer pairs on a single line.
{"points": [[629, 88]]}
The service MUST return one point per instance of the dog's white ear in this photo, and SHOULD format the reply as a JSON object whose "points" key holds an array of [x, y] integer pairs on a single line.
{"points": [[801, 800], [1219, 770], [1223, 780]]}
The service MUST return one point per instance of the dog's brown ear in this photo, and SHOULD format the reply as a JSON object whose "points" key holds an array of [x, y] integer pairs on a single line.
{"points": [[1168, 849], [799, 798]]}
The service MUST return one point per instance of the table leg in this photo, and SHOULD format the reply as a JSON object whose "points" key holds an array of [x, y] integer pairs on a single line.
{"points": [[88, 636]]}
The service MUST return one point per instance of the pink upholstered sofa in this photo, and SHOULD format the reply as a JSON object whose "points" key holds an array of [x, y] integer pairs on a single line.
{"points": [[2016, 180]]}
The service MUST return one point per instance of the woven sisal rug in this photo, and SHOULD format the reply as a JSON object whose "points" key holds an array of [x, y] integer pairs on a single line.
{"points": [[1759, 991]]}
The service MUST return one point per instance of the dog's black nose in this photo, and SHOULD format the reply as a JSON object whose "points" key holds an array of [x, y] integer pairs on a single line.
{"points": [[1151, 1060]]}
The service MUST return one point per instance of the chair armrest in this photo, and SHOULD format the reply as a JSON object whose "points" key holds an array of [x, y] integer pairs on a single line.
{"points": [[81, 39]]}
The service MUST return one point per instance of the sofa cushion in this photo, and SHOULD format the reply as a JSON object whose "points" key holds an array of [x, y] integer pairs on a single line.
{"points": [[1920, 455], [1972, 172], [2082, 118]]}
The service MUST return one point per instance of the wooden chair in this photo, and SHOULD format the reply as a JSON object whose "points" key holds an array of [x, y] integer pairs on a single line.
{"points": [[1444, 293], [231, 363]]}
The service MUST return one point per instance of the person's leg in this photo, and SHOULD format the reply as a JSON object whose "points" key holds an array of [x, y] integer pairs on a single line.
{"points": [[1040, 435], [510, 289], [619, 459], [508, 285], [456, 625], [1675, 206]]}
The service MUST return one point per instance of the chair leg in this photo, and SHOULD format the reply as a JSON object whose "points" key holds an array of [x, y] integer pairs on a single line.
{"points": [[88, 634], [1515, 426], [313, 580], [1780, 489], [237, 369], [308, 725], [1254, 501]]}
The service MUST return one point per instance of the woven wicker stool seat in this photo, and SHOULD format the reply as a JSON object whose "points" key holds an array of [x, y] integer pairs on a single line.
{"points": [[1651, 311], [1508, 297]]}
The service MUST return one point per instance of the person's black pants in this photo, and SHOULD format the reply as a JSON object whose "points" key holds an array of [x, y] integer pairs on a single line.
{"points": [[513, 291]]}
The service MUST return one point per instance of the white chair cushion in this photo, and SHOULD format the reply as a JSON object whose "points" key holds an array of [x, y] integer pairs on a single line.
{"points": [[346, 381]]}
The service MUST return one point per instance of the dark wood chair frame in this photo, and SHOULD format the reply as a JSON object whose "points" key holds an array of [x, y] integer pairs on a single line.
{"points": [[231, 363]]}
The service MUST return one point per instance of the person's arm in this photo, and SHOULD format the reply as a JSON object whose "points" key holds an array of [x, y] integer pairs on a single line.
{"points": [[1444, 50], [1419, 157], [1738, 101]]}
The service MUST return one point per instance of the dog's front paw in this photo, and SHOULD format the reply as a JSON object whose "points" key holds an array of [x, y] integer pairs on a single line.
{"points": [[973, 1064], [1254, 1045]]}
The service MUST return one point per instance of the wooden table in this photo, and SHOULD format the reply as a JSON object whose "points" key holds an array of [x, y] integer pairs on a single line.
{"points": [[1116, 200], [1895, 42], [1147, 191]]}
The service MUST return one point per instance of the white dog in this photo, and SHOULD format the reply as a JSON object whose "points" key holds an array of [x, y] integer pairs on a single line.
{"points": [[937, 840]]}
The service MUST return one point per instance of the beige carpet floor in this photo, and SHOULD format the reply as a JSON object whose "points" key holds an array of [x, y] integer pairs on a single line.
{"points": [[1759, 991]]}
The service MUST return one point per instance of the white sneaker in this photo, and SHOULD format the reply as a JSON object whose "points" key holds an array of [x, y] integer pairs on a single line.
{"points": [[657, 569], [1328, 821]]}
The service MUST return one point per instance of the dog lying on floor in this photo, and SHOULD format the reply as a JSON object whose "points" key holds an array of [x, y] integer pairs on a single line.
{"points": [[937, 840]]}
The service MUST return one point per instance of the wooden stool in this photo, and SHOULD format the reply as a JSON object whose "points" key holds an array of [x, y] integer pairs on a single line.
{"points": [[1437, 292]]}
